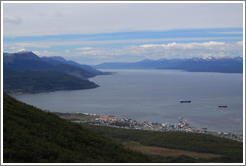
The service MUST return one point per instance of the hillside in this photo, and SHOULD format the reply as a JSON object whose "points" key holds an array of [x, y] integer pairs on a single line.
{"points": [[25, 72], [59, 61], [222, 65], [227, 151], [31, 135], [42, 81], [28, 61], [24, 61]]}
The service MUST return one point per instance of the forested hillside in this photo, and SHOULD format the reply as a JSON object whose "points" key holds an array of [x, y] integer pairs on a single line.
{"points": [[31, 135]]}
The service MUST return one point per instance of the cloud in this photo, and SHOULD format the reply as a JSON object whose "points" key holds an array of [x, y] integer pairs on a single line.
{"points": [[49, 44], [50, 53], [89, 18], [16, 46], [84, 48], [22, 49], [172, 50], [12, 20], [135, 53], [208, 45], [58, 14], [240, 43]]}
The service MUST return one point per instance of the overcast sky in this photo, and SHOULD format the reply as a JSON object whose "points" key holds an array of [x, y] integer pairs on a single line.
{"points": [[96, 32]]}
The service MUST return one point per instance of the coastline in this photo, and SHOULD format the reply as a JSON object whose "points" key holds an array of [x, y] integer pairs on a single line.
{"points": [[111, 121]]}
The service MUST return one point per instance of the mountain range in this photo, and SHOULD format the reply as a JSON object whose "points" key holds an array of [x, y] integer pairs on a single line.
{"points": [[25, 72], [222, 65]]}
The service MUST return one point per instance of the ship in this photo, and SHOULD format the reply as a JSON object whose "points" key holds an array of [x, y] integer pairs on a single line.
{"points": [[185, 101], [222, 106]]}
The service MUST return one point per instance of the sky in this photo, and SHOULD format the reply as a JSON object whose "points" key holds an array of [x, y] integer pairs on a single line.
{"points": [[93, 33]]}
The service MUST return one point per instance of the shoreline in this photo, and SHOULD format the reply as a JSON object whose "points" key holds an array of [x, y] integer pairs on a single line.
{"points": [[112, 121]]}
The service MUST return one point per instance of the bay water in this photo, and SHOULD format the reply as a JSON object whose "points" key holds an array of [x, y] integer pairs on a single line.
{"points": [[154, 96]]}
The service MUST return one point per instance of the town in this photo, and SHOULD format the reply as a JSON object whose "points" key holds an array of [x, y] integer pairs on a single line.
{"points": [[128, 123]]}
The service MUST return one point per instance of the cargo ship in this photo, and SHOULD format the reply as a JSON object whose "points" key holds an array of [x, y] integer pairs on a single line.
{"points": [[185, 101], [222, 106]]}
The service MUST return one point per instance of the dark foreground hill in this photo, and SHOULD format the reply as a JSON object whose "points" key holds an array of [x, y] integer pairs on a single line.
{"points": [[31, 135]]}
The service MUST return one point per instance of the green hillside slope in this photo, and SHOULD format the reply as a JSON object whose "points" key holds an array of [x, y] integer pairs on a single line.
{"points": [[230, 151], [31, 135]]}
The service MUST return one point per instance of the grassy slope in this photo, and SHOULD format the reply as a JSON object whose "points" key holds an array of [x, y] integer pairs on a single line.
{"points": [[31, 135], [231, 151]]}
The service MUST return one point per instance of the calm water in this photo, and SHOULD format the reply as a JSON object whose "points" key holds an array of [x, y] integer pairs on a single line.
{"points": [[154, 95]]}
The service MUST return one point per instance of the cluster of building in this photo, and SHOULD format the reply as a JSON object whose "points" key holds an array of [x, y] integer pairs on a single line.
{"points": [[128, 123]]}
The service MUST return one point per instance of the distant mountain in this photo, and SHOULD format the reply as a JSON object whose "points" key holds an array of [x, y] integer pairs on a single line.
{"points": [[24, 61], [59, 62], [88, 68], [31, 135], [223, 65], [25, 72], [27, 60], [54, 60], [42, 81]]}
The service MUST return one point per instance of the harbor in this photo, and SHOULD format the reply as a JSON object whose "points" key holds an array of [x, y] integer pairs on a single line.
{"points": [[182, 125]]}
